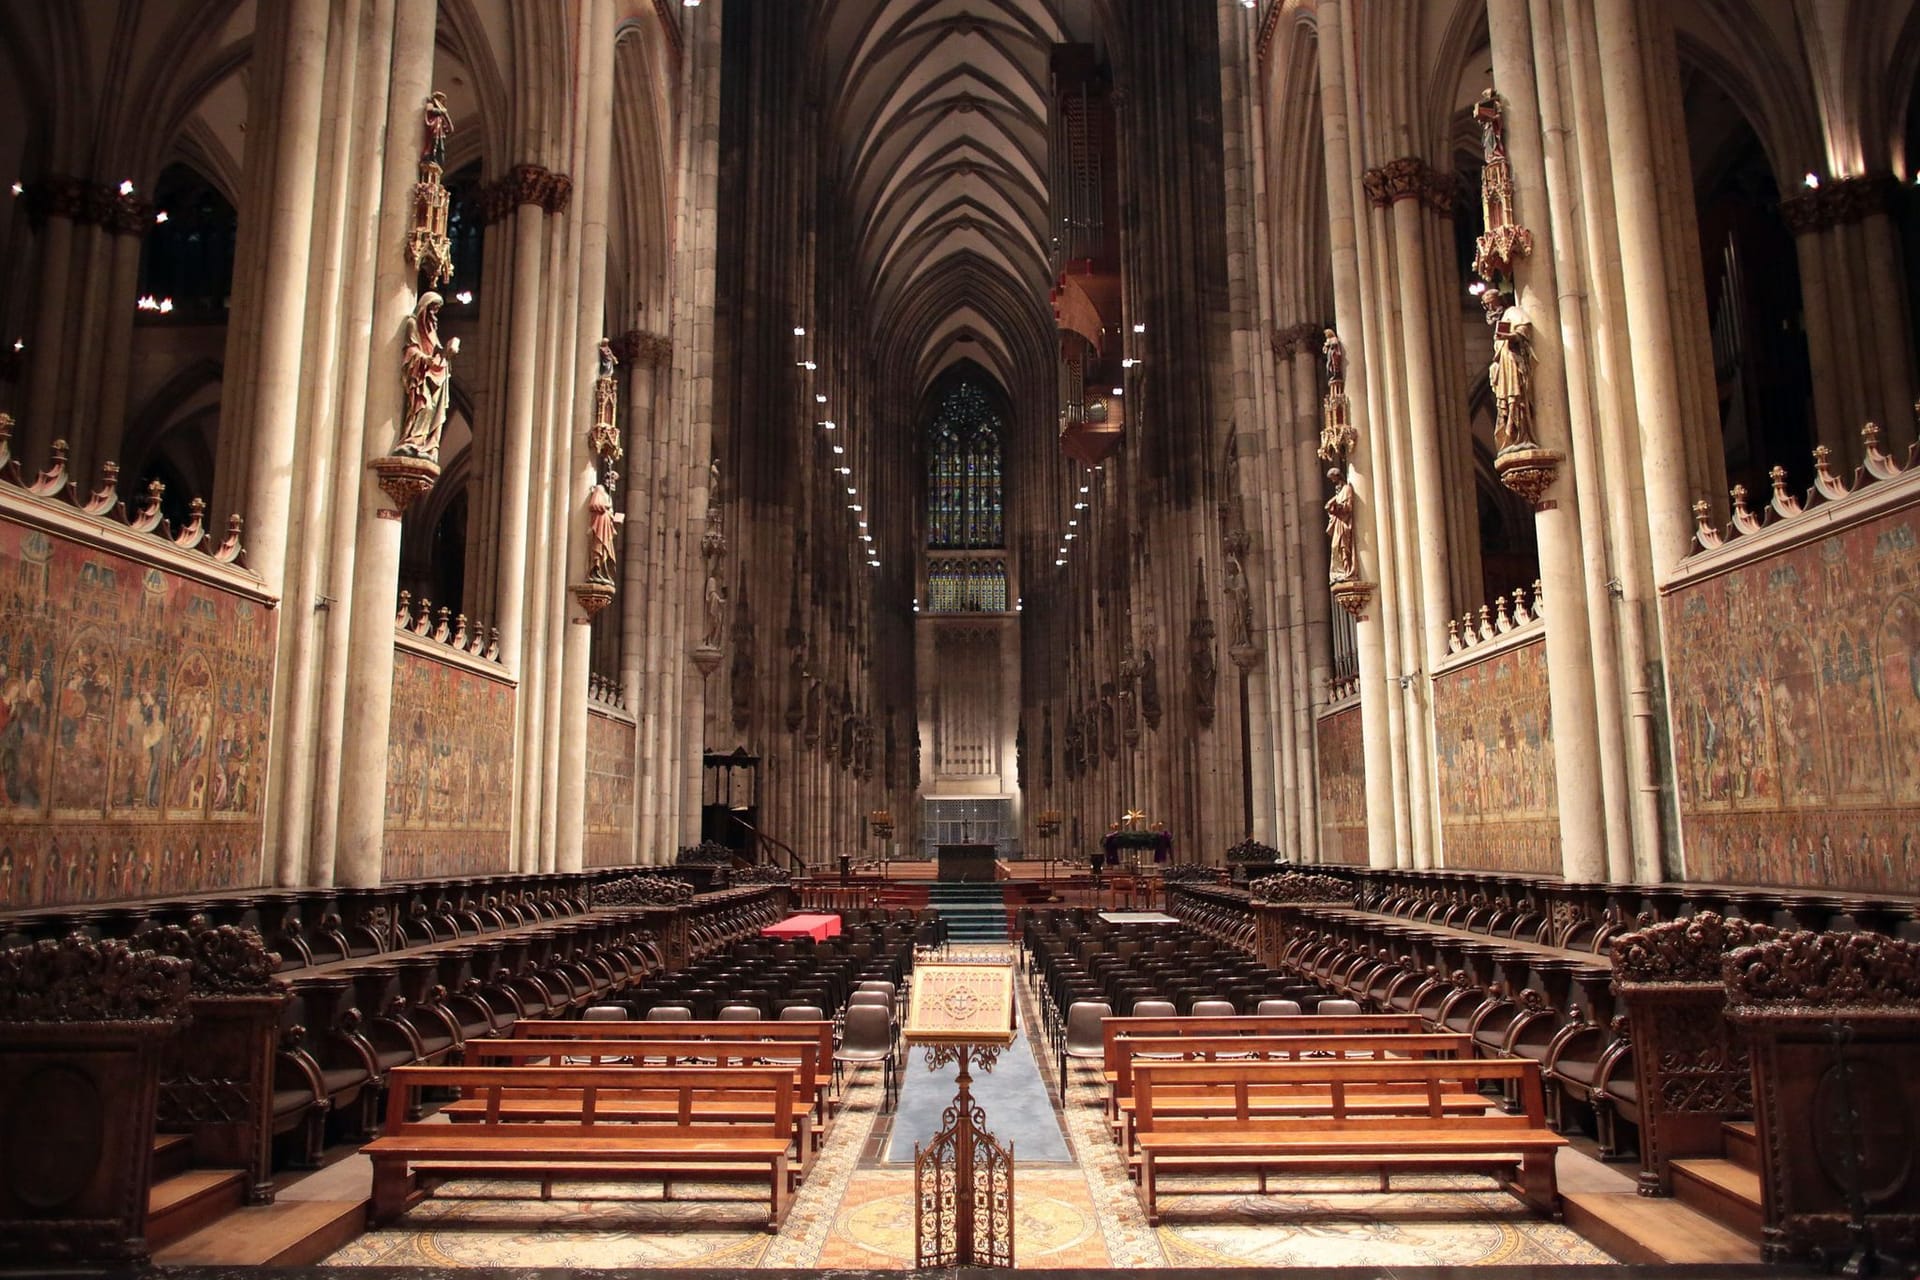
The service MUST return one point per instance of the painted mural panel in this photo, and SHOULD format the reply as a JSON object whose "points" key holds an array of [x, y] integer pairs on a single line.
{"points": [[1796, 713], [610, 791], [449, 770], [1343, 788], [133, 726], [1493, 731]]}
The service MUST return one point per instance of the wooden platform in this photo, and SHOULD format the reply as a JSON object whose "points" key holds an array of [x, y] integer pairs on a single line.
{"points": [[288, 1233]]}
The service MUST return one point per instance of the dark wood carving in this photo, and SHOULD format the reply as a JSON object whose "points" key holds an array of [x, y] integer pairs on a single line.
{"points": [[1834, 1024], [216, 1073], [82, 1024], [1691, 1070]]}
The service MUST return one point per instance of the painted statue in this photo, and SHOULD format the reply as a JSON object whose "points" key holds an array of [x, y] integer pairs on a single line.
{"points": [[1510, 378], [716, 613], [439, 122], [602, 526], [429, 378], [1340, 509], [1335, 353]]}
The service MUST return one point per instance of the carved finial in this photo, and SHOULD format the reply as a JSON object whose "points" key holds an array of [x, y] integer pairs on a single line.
{"points": [[423, 625], [54, 478], [459, 640], [1743, 520], [147, 517], [1784, 504], [1520, 614], [1825, 482], [1486, 623], [493, 644], [1703, 531], [229, 549], [1453, 636], [196, 527], [106, 494], [1879, 463], [403, 617], [1539, 600], [477, 640], [1501, 622]]}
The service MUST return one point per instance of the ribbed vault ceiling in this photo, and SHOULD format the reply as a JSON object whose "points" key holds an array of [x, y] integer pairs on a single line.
{"points": [[939, 111]]}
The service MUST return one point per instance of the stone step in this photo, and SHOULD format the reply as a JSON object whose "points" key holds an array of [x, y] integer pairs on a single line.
{"points": [[172, 1154]]}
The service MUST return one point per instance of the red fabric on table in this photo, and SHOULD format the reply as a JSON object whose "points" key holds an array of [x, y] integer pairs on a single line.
{"points": [[817, 927]]}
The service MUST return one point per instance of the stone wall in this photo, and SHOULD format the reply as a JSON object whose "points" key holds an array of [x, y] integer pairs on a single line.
{"points": [[610, 791], [449, 769], [1343, 788], [1494, 749], [134, 703], [1795, 682]]}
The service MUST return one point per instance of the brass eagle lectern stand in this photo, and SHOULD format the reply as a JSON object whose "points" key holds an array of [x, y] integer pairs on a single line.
{"points": [[963, 1178]]}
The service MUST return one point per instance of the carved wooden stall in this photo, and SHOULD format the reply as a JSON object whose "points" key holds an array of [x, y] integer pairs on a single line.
{"points": [[83, 1025], [1834, 1024], [1690, 1069], [216, 1074]]}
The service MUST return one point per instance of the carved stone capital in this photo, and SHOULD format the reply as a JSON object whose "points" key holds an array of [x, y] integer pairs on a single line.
{"points": [[642, 349], [558, 193]]}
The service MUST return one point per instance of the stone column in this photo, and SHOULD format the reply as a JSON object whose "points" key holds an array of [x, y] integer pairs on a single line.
{"points": [[1576, 738], [597, 118], [1663, 455], [269, 493], [369, 691], [363, 180], [61, 200], [1376, 689], [129, 225]]}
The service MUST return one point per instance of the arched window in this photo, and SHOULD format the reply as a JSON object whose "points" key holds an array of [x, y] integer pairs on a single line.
{"points": [[189, 257], [963, 472]]}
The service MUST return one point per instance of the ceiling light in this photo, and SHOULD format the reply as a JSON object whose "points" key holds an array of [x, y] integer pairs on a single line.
{"points": [[866, 537], [464, 297], [798, 332], [19, 344], [818, 398], [874, 563], [1811, 181], [1070, 536], [161, 216], [828, 424], [1119, 391], [126, 186], [1138, 327], [18, 189], [1079, 506], [847, 471], [1071, 524], [838, 449], [1059, 562], [1084, 489], [1128, 363], [808, 365], [853, 506], [853, 493]]}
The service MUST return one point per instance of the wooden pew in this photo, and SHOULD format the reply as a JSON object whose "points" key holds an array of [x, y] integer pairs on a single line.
{"points": [[781, 1033], [592, 1143], [539, 1104], [1516, 1149], [1286, 1024], [1283, 1099]]}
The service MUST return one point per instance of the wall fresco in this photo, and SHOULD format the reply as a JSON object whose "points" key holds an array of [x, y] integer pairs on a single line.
{"points": [[1795, 682], [133, 726], [610, 791], [449, 770], [1493, 735], [1343, 788]]}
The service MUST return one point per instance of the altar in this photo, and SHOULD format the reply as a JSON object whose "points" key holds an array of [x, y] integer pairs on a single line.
{"points": [[968, 862]]}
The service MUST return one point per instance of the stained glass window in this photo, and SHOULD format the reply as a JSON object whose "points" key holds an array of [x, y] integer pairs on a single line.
{"points": [[963, 472]]}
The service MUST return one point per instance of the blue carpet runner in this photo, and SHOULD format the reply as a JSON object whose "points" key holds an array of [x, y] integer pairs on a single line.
{"points": [[1013, 1096]]}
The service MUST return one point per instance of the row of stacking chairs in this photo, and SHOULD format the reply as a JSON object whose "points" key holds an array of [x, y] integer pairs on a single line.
{"points": [[1153, 970]]}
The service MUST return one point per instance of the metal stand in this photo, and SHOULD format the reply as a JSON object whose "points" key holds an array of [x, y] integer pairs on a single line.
{"points": [[963, 1180]]}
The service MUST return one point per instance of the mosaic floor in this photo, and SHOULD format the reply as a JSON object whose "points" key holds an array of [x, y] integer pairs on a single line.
{"points": [[855, 1211]]}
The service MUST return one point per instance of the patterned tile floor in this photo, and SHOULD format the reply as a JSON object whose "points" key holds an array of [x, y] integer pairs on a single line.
{"points": [[856, 1213]]}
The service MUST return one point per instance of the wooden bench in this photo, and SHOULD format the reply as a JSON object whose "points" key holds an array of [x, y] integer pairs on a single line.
{"points": [[1283, 1024], [593, 1142], [1518, 1150], [1281, 1099], [539, 1104], [818, 1033]]}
